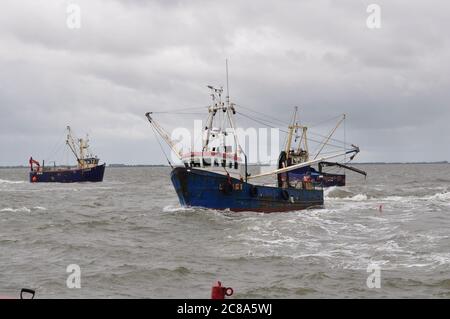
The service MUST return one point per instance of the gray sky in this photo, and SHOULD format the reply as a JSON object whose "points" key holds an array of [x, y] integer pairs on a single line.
{"points": [[129, 57]]}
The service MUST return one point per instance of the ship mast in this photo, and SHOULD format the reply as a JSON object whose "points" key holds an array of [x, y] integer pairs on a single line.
{"points": [[219, 125], [72, 145], [83, 147], [292, 127], [303, 153], [78, 148], [228, 108], [217, 104]]}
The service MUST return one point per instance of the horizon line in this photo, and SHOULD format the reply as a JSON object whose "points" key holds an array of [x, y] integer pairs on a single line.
{"points": [[250, 164]]}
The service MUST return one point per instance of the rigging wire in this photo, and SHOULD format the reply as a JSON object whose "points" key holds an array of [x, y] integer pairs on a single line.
{"points": [[284, 131], [182, 109], [331, 139], [160, 145], [325, 121], [261, 121], [288, 123], [66, 158], [182, 113], [54, 150], [345, 138], [272, 123], [266, 122], [266, 115]]}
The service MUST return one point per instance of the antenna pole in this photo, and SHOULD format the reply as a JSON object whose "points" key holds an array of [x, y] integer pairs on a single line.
{"points": [[228, 87]]}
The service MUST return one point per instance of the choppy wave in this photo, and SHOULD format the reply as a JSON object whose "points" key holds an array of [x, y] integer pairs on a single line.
{"points": [[337, 192], [22, 209], [357, 198], [174, 208], [141, 237], [445, 196], [349, 196], [16, 210], [6, 181]]}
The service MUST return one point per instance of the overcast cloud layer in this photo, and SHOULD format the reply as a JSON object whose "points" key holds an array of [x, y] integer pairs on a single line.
{"points": [[129, 57]]}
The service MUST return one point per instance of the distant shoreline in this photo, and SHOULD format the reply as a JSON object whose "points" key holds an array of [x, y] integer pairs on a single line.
{"points": [[165, 165], [398, 163]]}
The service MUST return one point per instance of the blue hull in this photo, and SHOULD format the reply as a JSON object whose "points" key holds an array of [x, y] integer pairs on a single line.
{"points": [[94, 174], [199, 188]]}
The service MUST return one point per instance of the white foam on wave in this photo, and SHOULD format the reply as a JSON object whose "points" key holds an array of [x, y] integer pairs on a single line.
{"points": [[328, 190], [16, 210], [322, 254], [360, 226], [6, 181], [22, 209], [393, 248], [414, 265], [172, 209], [357, 198], [377, 218], [278, 241], [396, 198], [441, 259], [440, 196]]}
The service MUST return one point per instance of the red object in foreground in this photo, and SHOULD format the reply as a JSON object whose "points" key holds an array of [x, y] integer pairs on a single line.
{"points": [[22, 293], [219, 292]]}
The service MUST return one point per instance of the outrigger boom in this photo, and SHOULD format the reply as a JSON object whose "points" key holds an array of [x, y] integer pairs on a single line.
{"points": [[353, 169], [163, 134], [353, 151]]}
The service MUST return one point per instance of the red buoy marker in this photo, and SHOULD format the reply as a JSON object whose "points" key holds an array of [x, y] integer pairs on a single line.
{"points": [[219, 292]]}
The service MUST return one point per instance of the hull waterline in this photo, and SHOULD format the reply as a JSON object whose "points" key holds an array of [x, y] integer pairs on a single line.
{"points": [[200, 188], [93, 174]]}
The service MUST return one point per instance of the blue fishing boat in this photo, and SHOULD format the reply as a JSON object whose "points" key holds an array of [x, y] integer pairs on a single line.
{"points": [[87, 169], [202, 188], [216, 177], [297, 151]]}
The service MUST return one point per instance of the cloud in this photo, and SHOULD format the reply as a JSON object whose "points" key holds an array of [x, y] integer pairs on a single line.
{"points": [[129, 57]]}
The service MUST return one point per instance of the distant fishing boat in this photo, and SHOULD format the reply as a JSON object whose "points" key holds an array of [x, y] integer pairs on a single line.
{"points": [[216, 176], [299, 153], [86, 170]]}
